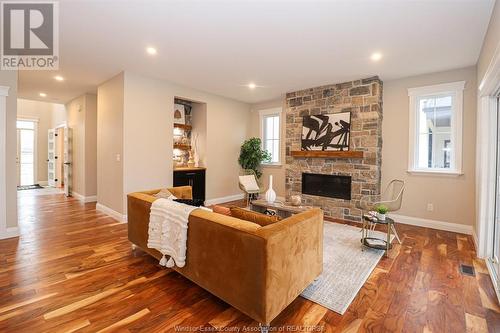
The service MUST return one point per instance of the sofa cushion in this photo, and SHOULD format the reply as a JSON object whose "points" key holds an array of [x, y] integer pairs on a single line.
{"points": [[222, 210], [255, 217]]}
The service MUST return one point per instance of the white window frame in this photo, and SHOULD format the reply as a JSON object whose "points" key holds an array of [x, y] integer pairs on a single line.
{"points": [[262, 116], [456, 90]]}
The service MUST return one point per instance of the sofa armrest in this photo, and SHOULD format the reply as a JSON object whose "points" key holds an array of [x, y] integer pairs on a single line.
{"points": [[182, 192], [138, 209], [294, 258]]}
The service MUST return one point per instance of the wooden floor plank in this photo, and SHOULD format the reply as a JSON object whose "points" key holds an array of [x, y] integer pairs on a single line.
{"points": [[72, 270]]}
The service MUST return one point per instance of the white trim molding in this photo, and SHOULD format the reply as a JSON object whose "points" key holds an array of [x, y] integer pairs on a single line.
{"points": [[486, 144], [10, 232], [454, 89], [433, 224], [4, 230], [216, 201], [82, 198], [113, 213]]}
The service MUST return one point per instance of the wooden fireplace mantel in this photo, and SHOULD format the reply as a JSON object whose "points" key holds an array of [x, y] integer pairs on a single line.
{"points": [[328, 154]]}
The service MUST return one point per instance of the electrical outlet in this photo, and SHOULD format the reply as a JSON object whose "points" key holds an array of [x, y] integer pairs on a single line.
{"points": [[430, 207], [118, 157]]}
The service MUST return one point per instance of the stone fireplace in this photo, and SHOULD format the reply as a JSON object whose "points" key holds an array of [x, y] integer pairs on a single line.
{"points": [[363, 99]]}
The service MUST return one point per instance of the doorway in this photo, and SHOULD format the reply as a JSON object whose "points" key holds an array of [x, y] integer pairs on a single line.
{"points": [[26, 152]]}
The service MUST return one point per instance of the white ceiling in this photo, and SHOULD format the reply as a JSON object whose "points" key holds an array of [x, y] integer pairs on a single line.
{"points": [[220, 46]]}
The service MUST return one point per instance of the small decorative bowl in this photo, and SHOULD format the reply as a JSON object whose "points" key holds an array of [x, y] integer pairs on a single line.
{"points": [[296, 200]]}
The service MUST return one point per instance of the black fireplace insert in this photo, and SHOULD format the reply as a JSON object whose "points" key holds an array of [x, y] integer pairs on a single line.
{"points": [[331, 186]]}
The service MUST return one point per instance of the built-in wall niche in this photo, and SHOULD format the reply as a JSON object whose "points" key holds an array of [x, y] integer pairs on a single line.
{"points": [[189, 133]]}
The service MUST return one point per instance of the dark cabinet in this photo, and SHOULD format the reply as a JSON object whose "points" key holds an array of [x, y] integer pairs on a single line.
{"points": [[194, 178]]}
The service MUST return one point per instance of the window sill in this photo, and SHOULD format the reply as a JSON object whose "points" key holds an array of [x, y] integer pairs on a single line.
{"points": [[271, 165], [450, 173]]}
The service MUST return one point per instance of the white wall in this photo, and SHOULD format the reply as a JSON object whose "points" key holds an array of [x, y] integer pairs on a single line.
{"points": [[110, 143], [48, 115], [199, 123], [148, 139], [490, 44], [9, 197], [82, 119], [452, 196]]}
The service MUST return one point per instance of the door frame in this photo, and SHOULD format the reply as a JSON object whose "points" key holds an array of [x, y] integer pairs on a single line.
{"points": [[486, 161], [35, 120]]}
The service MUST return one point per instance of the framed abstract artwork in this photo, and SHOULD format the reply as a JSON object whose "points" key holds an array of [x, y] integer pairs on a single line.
{"points": [[326, 132]]}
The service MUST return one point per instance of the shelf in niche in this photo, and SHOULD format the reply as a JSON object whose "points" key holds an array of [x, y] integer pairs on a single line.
{"points": [[184, 127], [181, 146], [328, 154]]}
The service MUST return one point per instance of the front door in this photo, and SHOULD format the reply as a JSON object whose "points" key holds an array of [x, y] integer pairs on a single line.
{"points": [[68, 144], [25, 159]]}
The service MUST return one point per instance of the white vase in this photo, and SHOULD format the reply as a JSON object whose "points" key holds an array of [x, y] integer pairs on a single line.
{"points": [[270, 194], [196, 159], [381, 217]]}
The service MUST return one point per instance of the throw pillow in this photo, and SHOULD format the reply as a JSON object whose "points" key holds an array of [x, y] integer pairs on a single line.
{"points": [[222, 210], [165, 194], [249, 183], [255, 217]]}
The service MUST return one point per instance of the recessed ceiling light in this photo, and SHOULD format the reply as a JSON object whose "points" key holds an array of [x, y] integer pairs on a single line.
{"points": [[59, 78], [43, 95], [376, 56], [151, 51], [252, 85]]}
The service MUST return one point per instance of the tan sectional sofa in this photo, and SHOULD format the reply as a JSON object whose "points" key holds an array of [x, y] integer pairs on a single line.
{"points": [[258, 270]]}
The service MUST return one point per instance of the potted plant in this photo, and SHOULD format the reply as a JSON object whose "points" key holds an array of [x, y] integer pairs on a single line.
{"points": [[252, 155], [381, 212]]}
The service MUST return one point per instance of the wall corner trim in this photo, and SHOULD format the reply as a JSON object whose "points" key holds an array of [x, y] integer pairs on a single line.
{"points": [[113, 213], [82, 198], [10, 233], [433, 224], [475, 239]]}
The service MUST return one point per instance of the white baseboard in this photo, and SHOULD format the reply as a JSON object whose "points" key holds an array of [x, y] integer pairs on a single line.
{"points": [[43, 183], [78, 196], [433, 224], [217, 201], [9, 233], [113, 213]]}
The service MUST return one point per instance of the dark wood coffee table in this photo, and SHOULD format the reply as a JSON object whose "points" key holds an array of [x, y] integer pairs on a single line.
{"points": [[282, 209]]}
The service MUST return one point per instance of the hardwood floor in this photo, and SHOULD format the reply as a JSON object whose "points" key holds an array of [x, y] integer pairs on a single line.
{"points": [[73, 270]]}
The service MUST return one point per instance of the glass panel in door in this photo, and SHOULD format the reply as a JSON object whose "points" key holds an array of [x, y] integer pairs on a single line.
{"points": [[26, 156]]}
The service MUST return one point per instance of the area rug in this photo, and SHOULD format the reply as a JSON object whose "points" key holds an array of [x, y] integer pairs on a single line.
{"points": [[345, 267], [28, 187]]}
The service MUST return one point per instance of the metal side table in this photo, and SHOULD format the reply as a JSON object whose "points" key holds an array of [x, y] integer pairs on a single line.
{"points": [[375, 242]]}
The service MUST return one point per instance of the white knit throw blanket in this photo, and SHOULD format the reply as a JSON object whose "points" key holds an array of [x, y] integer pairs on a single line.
{"points": [[168, 226]]}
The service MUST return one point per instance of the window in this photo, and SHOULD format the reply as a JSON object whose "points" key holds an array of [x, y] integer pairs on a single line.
{"points": [[436, 128], [270, 120]]}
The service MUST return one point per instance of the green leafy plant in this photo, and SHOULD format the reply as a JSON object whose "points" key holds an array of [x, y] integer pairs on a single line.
{"points": [[381, 209], [252, 155]]}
